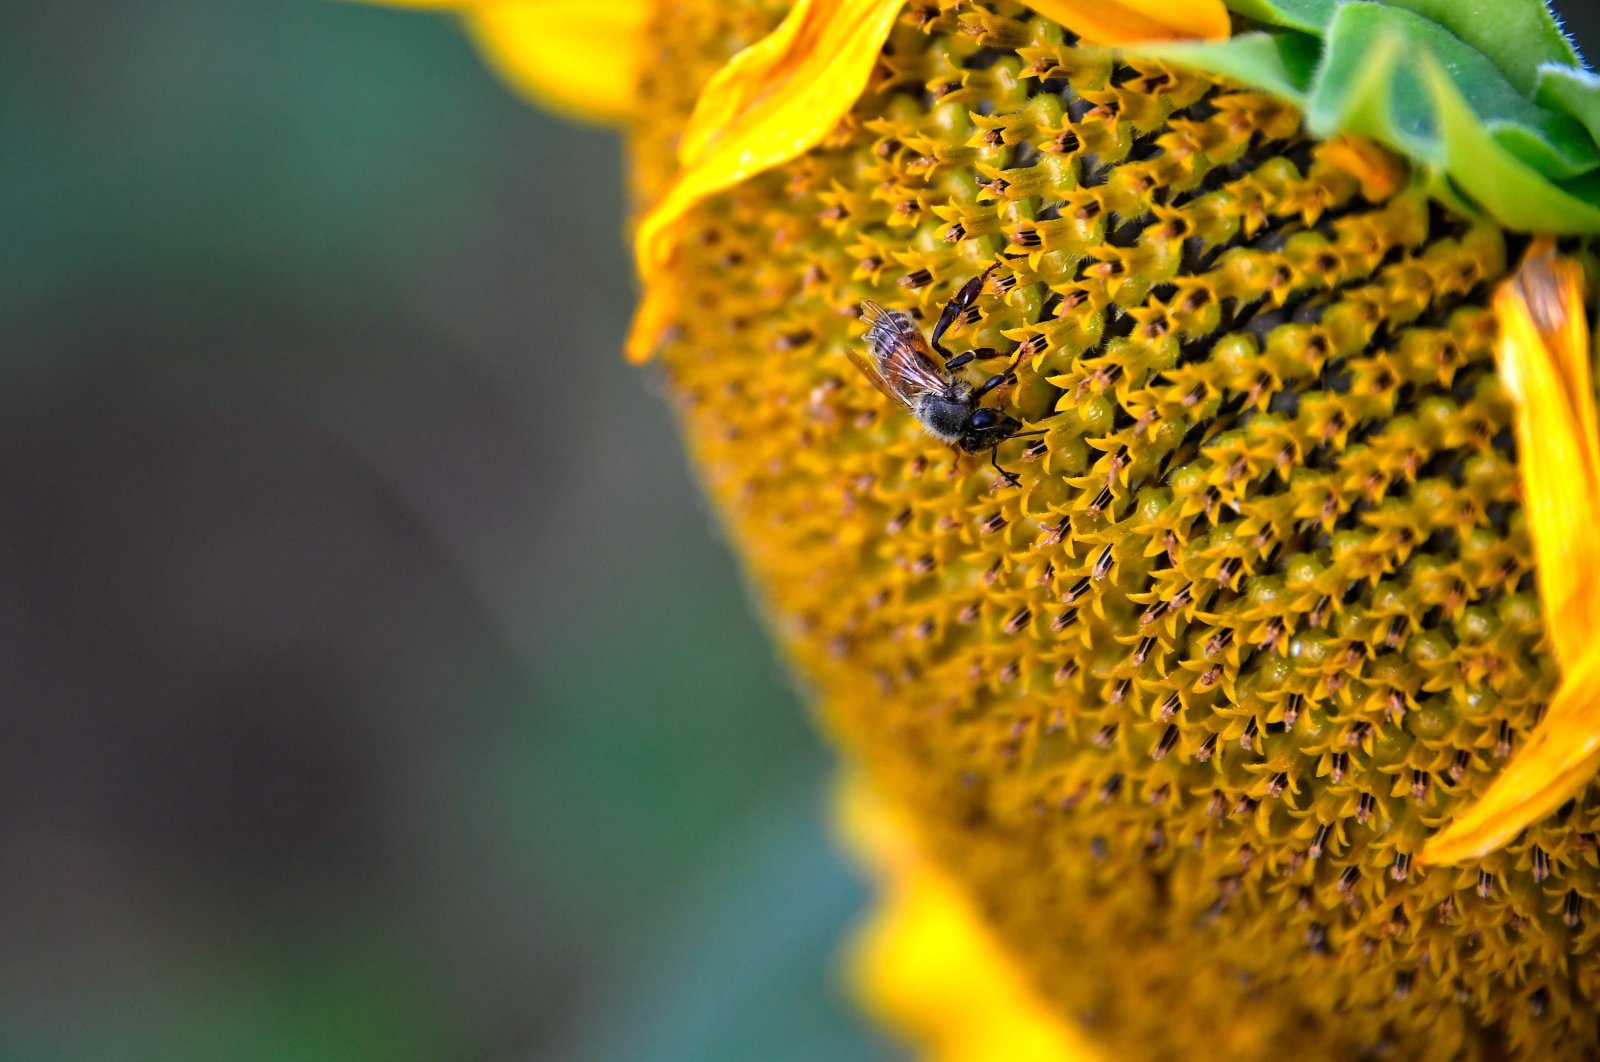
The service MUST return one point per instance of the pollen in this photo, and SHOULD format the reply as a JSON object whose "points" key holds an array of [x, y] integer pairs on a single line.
{"points": [[1181, 708]]}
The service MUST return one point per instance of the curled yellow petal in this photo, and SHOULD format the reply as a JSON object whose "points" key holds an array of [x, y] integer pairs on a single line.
{"points": [[772, 102], [1127, 21], [1379, 170], [1544, 354], [580, 58], [779, 97], [925, 964]]}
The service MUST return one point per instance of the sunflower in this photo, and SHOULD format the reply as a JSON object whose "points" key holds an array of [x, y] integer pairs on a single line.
{"points": [[1251, 704]]}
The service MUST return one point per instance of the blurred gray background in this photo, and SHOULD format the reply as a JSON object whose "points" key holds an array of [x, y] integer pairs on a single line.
{"points": [[374, 683]]}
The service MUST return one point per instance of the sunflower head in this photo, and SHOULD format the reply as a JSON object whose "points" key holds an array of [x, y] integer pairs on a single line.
{"points": [[1182, 708], [1192, 710]]}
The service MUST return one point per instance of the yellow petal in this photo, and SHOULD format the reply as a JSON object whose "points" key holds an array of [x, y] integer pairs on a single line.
{"points": [[1127, 21], [580, 58], [927, 966], [1559, 759], [1544, 355], [779, 97]]}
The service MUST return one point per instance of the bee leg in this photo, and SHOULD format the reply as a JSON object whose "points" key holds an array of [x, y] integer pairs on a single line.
{"points": [[980, 354], [998, 378], [1009, 477], [989, 385], [956, 306]]}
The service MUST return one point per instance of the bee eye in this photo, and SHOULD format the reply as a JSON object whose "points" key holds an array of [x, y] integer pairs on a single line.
{"points": [[984, 418]]}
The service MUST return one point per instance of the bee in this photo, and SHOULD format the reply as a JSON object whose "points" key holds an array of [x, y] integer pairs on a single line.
{"points": [[949, 408]]}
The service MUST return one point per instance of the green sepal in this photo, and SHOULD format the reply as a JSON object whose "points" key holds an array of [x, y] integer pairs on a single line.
{"points": [[1310, 16], [1518, 36], [1552, 143], [1485, 97], [1280, 63], [1479, 164], [1571, 91]]}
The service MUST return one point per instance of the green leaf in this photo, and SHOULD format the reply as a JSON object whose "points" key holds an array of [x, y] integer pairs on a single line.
{"points": [[1551, 143], [1517, 36], [1310, 16], [1280, 63]]}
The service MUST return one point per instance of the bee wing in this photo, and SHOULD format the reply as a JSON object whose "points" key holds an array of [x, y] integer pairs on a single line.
{"points": [[869, 369], [901, 354]]}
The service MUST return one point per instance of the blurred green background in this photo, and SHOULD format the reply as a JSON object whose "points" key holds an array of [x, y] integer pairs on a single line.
{"points": [[375, 684]]}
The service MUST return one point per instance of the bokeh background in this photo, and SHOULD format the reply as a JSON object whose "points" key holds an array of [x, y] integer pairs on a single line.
{"points": [[374, 683]]}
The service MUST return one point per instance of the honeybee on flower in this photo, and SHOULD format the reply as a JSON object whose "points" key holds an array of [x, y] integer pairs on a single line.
{"points": [[901, 364]]}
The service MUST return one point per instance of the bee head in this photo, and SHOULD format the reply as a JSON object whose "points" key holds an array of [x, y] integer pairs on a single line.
{"points": [[985, 427]]}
